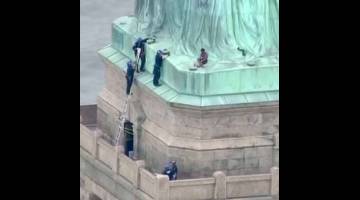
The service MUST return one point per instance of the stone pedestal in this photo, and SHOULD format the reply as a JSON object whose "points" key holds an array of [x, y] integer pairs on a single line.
{"points": [[228, 129], [236, 139]]}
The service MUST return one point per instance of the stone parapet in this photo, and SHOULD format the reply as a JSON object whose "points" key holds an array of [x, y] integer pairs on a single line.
{"points": [[136, 180]]}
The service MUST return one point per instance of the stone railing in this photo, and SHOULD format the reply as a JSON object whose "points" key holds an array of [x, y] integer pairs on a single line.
{"points": [[113, 157], [147, 182], [192, 189], [247, 186], [158, 187]]}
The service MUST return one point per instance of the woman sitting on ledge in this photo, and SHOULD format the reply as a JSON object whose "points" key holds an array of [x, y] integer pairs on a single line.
{"points": [[202, 60]]}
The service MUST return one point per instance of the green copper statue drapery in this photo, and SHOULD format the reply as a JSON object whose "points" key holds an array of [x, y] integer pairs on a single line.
{"points": [[220, 26]]}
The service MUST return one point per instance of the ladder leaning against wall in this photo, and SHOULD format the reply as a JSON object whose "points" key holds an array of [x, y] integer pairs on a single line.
{"points": [[124, 111], [122, 119]]}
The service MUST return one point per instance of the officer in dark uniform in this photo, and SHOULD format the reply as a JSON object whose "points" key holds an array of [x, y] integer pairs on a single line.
{"points": [[160, 56], [129, 75], [174, 170], [140, 45], [171, 170]]}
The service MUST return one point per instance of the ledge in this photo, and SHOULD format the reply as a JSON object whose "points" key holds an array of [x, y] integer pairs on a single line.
{"points": [[219, 77], [255, 177], [177, 99], [192, 182]]}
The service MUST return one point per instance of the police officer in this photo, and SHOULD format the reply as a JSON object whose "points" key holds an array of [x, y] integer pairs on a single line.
{"points": [[160, 56], [129, 75], [174, 170], [171, 170], [139, 48]]}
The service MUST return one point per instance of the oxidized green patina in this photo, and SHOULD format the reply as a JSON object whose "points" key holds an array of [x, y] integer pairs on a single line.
{"points": [[219, 26]]}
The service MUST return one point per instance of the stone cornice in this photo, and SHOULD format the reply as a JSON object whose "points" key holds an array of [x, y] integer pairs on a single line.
{"points": [[204, 144]]}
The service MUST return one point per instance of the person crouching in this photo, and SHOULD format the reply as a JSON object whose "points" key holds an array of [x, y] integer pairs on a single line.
{"points": [[203, 59]]}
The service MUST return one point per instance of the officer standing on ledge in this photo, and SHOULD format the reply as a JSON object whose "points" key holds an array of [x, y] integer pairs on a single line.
{"points": [[139, 51], [171, 170], [160, 56], [130, 75]]}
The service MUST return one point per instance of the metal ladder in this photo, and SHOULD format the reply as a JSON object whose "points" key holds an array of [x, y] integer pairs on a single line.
{"points": [[122, 119]]}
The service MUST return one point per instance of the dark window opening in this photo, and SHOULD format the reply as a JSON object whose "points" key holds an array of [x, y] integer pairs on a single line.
{"points": [[129, 138]]}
